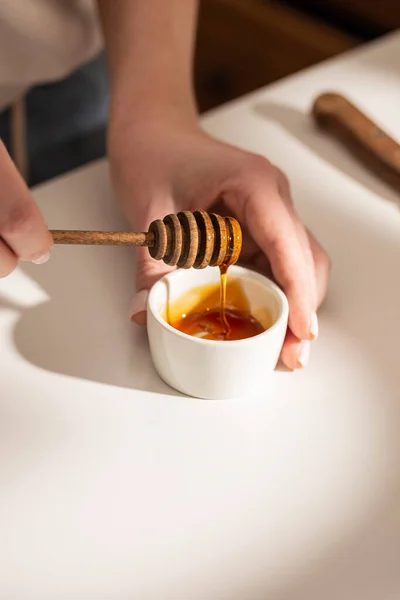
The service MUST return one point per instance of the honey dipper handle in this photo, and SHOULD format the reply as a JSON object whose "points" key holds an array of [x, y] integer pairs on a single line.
{"points": [[374, 147], [103, 238]]}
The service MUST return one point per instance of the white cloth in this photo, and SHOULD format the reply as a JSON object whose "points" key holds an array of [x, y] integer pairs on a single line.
{"points": [[42, 41]]}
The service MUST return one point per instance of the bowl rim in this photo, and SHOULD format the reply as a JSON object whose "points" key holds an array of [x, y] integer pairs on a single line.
{"points": [[240, 272]]}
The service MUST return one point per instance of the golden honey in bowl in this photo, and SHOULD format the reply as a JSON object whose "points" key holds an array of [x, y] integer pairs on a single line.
{"points": [[209, 313]]}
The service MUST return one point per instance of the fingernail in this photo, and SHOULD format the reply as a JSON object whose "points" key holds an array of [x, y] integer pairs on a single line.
{"points": [[138, 306], [304, 355], [314, 327], [42, 259]]}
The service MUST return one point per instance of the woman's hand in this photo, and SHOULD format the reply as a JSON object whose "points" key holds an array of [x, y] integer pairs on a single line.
{"points": [[23, 231], [163, 166]]}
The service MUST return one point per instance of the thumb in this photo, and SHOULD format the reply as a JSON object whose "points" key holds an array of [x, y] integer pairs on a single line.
{"points": [[148, 270]]}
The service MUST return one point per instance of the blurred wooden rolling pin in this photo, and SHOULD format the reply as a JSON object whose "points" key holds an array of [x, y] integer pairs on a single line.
{"points": [[378, 151]]}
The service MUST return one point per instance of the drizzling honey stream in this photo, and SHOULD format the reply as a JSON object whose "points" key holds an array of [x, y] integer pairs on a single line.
{"points": [[234, 239], [223, 270]]}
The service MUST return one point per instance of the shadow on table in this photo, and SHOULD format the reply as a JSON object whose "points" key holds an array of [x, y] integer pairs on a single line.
{"points": [[365, 564], [300, 126], [83, 329]]}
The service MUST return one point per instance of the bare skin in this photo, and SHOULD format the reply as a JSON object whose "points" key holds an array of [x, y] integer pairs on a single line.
{"points": [[162, 162]]}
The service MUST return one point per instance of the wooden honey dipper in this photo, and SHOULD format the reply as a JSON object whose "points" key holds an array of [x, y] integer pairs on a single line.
{"points": [[188, 239]]}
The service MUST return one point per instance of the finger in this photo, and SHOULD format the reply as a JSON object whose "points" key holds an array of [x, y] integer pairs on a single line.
{"points": [[273, 229], [8, 260], [148, 270], [22, 225], [322, 265], [284, 190], [295, 353]]}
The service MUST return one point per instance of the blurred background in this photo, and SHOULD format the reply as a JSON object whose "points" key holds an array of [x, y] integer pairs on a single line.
{"points": [[241, 45], [246, 44]]}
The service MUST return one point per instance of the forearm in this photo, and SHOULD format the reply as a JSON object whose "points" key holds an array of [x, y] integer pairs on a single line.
{"points": [[149, 45]]}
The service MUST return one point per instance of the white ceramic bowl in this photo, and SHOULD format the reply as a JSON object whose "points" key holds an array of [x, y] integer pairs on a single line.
{"points": [[216, 369]]}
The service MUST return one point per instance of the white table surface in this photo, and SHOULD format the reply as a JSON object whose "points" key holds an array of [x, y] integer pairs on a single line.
{"points": [[113, 487]]}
